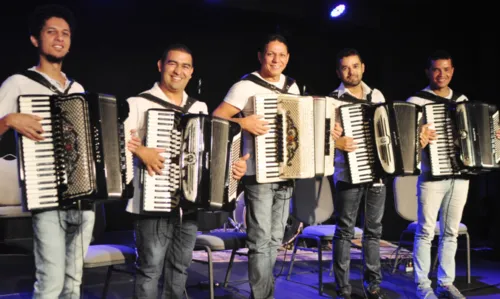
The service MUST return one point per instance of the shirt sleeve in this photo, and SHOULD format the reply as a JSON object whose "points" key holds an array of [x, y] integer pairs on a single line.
{"points": [[237, 95], [9, 92], [416, 100]]}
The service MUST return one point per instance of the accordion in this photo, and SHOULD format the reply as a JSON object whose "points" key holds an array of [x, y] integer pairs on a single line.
{"points": [[387, 140], [82, 155], [299, 143], [199, 153], [466, 142]]}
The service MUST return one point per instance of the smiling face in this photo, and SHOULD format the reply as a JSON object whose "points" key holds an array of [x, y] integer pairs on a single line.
{"points": [[350, 70], [273, 60], [54, 40], [176, 70], [440, 73]]}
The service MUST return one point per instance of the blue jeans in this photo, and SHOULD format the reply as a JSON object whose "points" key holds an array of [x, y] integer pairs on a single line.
{"points": [[449, 197], [164, 246], [266, 216], [347, 201], [60, 240]]}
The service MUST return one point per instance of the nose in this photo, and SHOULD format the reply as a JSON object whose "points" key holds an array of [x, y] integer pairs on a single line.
{"points": [[275, 58]]}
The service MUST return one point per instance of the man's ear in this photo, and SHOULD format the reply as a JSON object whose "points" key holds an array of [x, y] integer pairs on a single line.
{"points": [[34, 41], [159, 65]]}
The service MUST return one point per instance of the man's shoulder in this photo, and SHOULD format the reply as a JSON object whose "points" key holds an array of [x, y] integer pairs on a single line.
{"points": [[14, 79]]}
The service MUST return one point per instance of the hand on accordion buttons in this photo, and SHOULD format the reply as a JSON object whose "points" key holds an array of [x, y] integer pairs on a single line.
{"points": [[337, 131], [240, 167], [27, 125], [427, 135], [498, 134], [345, 143], [255, 125]]}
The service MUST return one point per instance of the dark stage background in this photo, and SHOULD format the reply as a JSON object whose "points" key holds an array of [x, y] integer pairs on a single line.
{"points": [[117, 43]]}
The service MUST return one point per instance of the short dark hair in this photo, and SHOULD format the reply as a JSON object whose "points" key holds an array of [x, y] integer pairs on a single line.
{"points": [[176, 47], [346, 52], [272, 38], [437, 55], [42, 13]]}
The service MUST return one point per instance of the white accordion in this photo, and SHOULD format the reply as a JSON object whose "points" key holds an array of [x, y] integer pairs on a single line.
{"points": [[298, 144]]}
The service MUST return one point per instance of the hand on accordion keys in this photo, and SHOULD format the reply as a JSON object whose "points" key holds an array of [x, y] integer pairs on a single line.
{"points": [[150, 157], [346, 144], [337, 131], [27, 125], [427, 135], [240, 167], [498, 134], [255, 125]]}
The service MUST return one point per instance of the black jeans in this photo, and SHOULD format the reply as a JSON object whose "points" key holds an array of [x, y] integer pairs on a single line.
{"points": [[347, 201], [164, 246]]}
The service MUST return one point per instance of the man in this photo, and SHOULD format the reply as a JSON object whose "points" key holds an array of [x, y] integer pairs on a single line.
{"points": [[164, 243], [350, 69], [435, 195], [60, 236], [267, 204]]}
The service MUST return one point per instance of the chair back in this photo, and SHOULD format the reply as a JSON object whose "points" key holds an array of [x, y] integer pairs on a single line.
{"points": [[405, 196], [312, 201]]}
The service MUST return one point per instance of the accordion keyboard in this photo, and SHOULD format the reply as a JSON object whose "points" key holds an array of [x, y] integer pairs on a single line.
{"points": [[160, 191], [441, 152], [361, 160], [40, 173]]}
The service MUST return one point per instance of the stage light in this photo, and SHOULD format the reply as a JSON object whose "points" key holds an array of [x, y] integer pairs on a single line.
{"points": [[337, 11]]}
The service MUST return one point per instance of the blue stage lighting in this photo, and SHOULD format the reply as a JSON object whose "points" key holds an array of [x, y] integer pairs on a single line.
{"points": [[337, 11]]}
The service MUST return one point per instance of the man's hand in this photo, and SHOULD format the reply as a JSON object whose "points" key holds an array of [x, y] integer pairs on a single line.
{"points": [[498, 134], [254, 124], [346, 144], [337, 131], [240, 167], [427, 134], [134, 143], [26, 124], [151, 158]]}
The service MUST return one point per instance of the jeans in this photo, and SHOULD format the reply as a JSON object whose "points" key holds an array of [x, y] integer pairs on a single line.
{"points": [[347, 201], [164, 246], [449, 197], [60, 240], [266, 216]]}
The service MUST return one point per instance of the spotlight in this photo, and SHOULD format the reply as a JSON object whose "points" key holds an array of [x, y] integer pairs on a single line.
{"points": [[337, 11]]}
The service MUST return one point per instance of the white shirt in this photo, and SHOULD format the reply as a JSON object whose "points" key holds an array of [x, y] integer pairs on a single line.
{"points": [[425, 165], [17, 85], [239, 96], [341, 168], [136, 120]]}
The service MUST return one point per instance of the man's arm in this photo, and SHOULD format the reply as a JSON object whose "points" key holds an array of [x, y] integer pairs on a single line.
{"points": [[25, 124], [252, 123]]}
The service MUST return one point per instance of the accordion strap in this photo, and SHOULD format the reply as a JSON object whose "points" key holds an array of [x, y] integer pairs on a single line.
{"points": [[346, 97], [190, 101], [288, 83], [43, 81], [433, 97]]}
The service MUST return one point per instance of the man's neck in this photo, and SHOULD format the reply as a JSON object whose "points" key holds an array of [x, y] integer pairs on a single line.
{"points": [[51, 69], [175, 96], [442, 92], [356, 91], [269, 78]]}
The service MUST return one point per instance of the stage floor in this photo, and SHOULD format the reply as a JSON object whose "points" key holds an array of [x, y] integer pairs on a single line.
{"points": [[16, 276]]}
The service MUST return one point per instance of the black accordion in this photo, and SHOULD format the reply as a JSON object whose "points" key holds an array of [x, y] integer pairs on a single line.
{"points": [[82, 155], [466, 142], [199, 154], [387, 140]]}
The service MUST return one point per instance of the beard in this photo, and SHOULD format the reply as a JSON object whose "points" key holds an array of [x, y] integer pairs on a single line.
{"points": [[54, 59]]}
